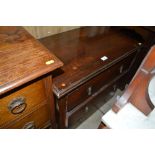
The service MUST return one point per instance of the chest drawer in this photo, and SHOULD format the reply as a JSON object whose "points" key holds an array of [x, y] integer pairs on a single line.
{"points": [[37, 119], [22, 101], [102, 80]]}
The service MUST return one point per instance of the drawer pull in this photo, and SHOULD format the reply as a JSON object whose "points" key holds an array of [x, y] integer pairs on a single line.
{"points": [[86, 109], [17, 105], [29, 125], [121, 69], [89, 90]]}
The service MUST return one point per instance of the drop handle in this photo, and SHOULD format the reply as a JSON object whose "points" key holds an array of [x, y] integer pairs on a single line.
{"points": [[29, 125], [89, 90], [121, 69], [17, 105]]}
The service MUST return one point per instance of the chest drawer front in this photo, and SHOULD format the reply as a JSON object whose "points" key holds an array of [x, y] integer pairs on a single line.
{"points": [[21, 102], [93, 85], [35, 120], [111, 73]]}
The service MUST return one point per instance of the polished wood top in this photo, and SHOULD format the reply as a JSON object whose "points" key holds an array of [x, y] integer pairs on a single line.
{"points": [[22, 58], [81, 51]]}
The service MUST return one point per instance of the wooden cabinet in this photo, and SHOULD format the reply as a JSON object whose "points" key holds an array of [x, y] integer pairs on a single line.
{"points": [[26, 98], [93, 62]]}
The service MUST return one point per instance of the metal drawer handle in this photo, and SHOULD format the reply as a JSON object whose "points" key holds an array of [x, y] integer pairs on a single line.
{"points": [[86, 109], [121, 69], [29, 125], [89, 90], [17, 105]]}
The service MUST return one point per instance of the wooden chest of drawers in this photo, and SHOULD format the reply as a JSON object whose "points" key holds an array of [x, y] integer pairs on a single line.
{"points": [[26, 98], [95, 58]]}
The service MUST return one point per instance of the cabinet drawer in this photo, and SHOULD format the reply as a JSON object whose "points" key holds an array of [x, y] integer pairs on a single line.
{"points": [[87, 110], [21, 101], [36, 119], [96, 83], [111, 74]]}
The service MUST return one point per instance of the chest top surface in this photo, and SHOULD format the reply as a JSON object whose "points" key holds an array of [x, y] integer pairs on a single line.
{"points": [[85, 52], [22, 58]]}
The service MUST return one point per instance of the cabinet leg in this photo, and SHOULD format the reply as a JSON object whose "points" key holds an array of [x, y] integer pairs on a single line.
{"points": [[63, 118], [49, 93]]}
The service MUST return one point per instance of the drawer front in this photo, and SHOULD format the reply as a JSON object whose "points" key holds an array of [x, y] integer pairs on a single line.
{"points": [[111, 74], [35, 120], [79, 116], [87, 110], [21, 102], [93, 85]]}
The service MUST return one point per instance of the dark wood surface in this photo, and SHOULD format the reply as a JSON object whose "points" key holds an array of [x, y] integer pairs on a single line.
{"points": [[84, 75], [81, 51], [137, 92], [22, 58], [104, 79]]}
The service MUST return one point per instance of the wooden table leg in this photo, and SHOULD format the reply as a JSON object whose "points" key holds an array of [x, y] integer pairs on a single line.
{"points": [[63, 119]]}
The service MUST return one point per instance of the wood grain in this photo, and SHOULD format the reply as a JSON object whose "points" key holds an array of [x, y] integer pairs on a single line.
{"points": [[22, 58], [34, 95], [25, 73]]}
